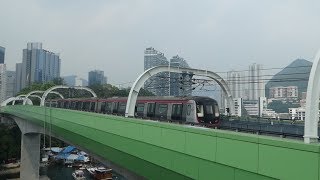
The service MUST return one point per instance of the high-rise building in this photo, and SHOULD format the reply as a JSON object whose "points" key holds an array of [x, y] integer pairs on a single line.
{"points": [[3, 82], [281, 92], [159, 83], [11, 84], [235, 83], [74, 80], [96, 77], [38, 65], [256, 85], [18, 77], [180, 84], [2, 53]]}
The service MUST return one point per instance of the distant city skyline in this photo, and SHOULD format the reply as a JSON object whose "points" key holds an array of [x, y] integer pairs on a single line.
{"points": [[111, 35], [38, 65]]}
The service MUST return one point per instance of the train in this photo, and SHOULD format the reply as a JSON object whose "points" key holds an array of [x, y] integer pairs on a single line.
{"points": [[192, 109]]}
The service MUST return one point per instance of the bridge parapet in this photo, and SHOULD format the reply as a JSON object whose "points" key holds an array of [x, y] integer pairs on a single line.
{"points": [[165, 150]]}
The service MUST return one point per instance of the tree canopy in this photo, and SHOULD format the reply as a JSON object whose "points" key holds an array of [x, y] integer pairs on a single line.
{"points": [[108, 90]]}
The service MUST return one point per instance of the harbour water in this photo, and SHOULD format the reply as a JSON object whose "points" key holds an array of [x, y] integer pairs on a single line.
{"points": [[60, 172]]}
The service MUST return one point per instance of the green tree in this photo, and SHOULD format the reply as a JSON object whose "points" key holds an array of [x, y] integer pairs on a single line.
{"points": [[108, 90], [280, 107]]}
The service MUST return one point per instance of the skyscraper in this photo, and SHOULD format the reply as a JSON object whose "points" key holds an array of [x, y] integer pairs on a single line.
{"points": [[256, 84], [38, 65], [96, 77], [11, 84], [2, 53], [235, 83], [74, 80], [3, 82], [180, 84], [159, 83], [18, 77]]}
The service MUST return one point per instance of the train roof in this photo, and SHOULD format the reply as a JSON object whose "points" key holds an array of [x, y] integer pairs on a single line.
{"points": [[146, 98]]}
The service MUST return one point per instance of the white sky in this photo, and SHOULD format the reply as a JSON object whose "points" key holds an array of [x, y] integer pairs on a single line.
{"points": [[111, 35]]}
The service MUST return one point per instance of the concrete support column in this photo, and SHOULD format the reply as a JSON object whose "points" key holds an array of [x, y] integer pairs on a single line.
{"points": [[30, 156]]}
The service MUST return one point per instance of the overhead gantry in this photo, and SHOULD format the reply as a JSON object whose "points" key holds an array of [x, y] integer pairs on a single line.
{"points": [[50, 90], [137, 85], [312, 103]]}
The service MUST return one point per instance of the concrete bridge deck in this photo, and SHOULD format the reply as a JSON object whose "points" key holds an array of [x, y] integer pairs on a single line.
{"points": [[156, 150]]}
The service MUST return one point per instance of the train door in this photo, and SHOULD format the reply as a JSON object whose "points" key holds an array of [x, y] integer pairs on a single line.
{"points": [[115, 106], [92, 106], [102, 107], [161, 111], [151, 110], [176, 113], [108, 107], [140, 110], [122, 108]]}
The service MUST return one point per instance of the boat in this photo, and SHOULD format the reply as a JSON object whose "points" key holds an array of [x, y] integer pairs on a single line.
{"points": [[11, 163], [78, 175], [100, 173]]}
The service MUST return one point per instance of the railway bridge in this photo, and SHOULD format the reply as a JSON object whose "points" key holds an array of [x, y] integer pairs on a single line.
{"points": [[144, 149]]}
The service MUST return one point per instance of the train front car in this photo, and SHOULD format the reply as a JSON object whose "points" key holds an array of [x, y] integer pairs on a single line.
{"points": [[207, 111]]}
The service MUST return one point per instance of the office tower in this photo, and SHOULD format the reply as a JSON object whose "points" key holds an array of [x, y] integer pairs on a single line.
{"points": [[2, 53], [96, 77], [74, 80], [180, 84], [11, 84], [18, 77], [38, 65], [159, 83], [235, 83], [256, 84], [3, 82]]}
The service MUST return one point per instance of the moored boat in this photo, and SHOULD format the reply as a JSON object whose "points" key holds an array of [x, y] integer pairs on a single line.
{"points": [[78, 175]]}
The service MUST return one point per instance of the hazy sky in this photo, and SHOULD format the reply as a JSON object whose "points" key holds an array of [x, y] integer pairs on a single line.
{"points": [[111, 35]]}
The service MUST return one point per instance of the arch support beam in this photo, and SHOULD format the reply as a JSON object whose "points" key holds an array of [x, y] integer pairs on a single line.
{"points": [[45, 94], [312, 103], [137, 85], [31, 94], [14, 99]]}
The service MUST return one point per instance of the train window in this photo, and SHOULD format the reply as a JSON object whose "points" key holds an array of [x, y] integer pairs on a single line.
{"points": [[93, 106], [151, 108], [73, 105], [59, 104], [108, 107], [163, 109], [209, 109], [176, 112], [87, 106], [140, 107], [79, 105], [122, 107], [115, 107], [188, 109], [103, 107], [216, 111], [200, 111]]}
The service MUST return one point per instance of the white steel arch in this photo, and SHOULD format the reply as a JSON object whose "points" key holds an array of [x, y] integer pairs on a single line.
{"points": [[18, 98], [312, 103], [38, 92], [134, 91], [45, 94]]}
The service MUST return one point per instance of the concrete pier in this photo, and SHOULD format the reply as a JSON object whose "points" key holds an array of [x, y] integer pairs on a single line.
{"points": [[30, 156]]}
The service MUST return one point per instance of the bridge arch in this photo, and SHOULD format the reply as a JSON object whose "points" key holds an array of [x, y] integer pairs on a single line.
{"points": [[14, 99], [312, 103], [30, 94], [45, 94], [137, 85]]}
